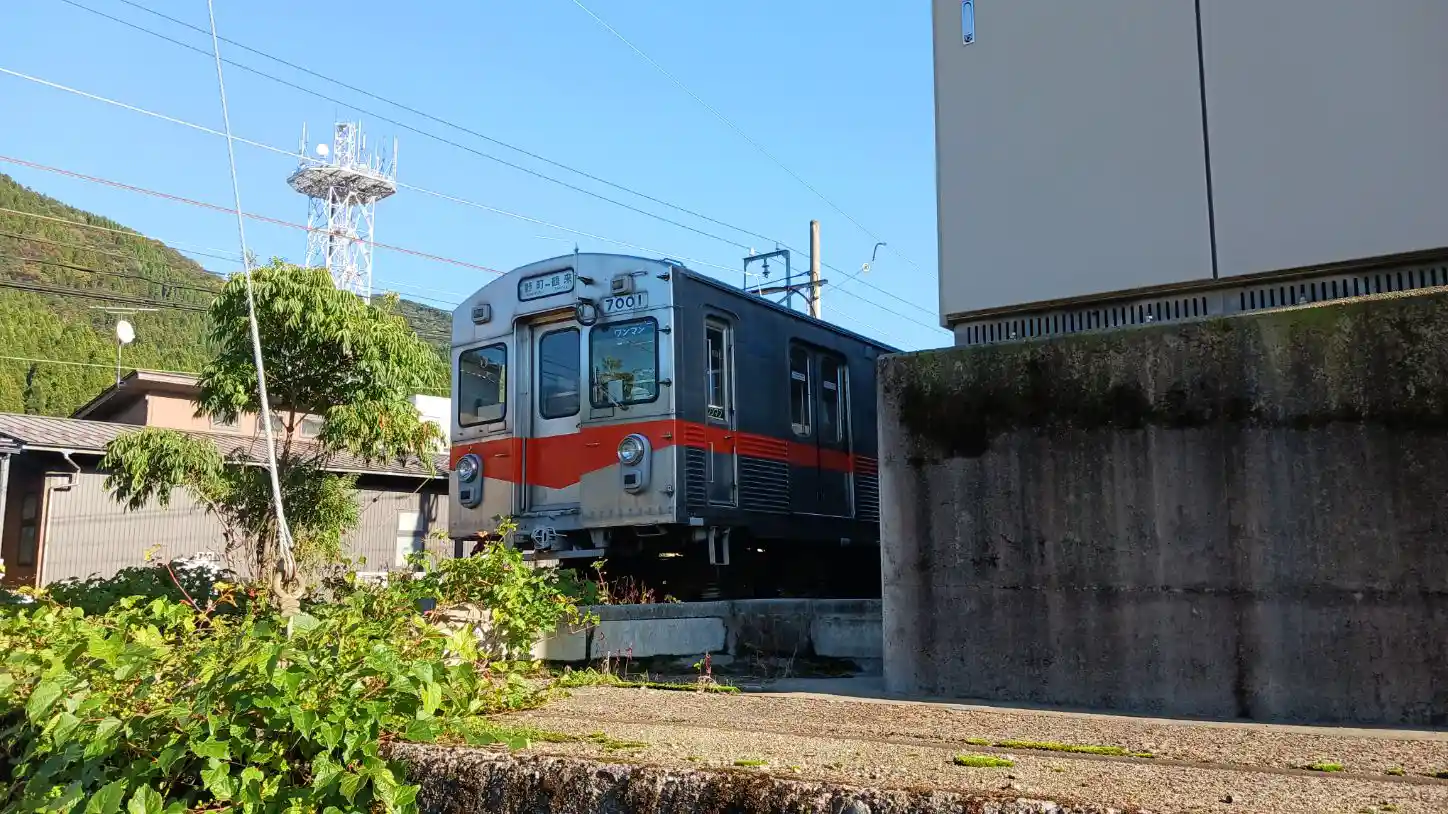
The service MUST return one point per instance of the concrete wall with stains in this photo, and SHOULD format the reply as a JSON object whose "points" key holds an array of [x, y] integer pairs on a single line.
{"points": [[1243, 517]]}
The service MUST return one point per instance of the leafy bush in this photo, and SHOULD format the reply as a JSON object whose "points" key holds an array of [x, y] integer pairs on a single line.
{"points": [[178, 581], [155, 706]]}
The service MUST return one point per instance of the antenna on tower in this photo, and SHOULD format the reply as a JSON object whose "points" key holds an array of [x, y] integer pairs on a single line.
{"points": [[343, 184]]}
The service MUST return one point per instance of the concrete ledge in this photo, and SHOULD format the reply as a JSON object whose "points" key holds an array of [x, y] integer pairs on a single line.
{"points": [[825, 628], [477, 781]]}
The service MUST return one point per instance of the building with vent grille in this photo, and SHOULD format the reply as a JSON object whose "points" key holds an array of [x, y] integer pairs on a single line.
{"points": [[1125, 162], [60, 522]]}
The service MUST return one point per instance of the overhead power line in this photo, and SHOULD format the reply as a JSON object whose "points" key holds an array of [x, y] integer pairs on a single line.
{"points": [[387, 284], [216, 208], [112, 366], [729, 122], [461, 128]]}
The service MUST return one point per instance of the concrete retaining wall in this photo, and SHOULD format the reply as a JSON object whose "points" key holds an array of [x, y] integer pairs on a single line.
{"points": [[826, 628], [1245, 517], [474, 781]]}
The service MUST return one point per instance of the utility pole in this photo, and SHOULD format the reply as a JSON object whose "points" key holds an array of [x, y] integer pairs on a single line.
{"points": [[814, 269]]}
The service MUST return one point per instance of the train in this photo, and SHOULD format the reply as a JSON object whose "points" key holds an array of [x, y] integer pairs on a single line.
{"points": [[613, 406]]}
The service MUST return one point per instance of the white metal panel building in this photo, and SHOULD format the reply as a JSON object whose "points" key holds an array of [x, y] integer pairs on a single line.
{"points": [[1111, 163]]}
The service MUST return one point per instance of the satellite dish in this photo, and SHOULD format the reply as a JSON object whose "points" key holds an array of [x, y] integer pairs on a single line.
{"points": [[322, 150], [125, 333]]}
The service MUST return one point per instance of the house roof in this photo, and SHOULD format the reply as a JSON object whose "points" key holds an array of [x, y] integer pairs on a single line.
{"points": [[138, 383], [91, 437]]}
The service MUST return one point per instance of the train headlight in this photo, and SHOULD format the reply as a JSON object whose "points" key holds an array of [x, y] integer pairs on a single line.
{"points": [[467, 468], [631, 450]]}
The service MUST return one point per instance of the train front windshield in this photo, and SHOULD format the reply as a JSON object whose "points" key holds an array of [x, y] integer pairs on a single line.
{"points": [[624, 358]]}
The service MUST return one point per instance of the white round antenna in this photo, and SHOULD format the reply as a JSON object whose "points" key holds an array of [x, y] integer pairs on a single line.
{"points": [[125, 333], [322, 150]]}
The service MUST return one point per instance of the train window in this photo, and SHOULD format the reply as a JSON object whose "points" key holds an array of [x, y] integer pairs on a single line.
{"points": [[716, 343], [799, 390], [832, 400], [624, 361], [559, 374], [482, 385]]}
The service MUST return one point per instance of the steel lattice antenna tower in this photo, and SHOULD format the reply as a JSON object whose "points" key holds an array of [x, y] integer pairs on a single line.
{"points": [[344, 184]]}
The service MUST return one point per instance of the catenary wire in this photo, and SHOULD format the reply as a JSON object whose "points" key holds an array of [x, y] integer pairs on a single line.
{"points": [[290, 154], [414, 111], [441, 195], [423, 133], [729, 122], [849, 276], [263, 218]]}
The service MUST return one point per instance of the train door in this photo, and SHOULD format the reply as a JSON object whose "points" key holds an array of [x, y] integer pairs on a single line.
{"points": [[819, 462], [552, 454], [719, 393]]}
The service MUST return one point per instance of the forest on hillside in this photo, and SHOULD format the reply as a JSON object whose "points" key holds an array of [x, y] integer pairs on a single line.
{"points": [[61, 268]]}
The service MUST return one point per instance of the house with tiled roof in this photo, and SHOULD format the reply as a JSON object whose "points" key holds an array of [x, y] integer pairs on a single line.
{"points": [[58, 521]]}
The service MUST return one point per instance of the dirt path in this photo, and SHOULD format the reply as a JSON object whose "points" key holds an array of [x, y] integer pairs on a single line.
{"points": [[1194, 766]]}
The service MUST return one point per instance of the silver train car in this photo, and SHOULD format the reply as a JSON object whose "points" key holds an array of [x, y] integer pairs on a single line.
{"points": [[621, 406]]}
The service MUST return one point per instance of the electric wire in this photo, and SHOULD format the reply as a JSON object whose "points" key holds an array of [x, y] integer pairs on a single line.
{"points": [[727, 121], [216, 208], [284, 534], [290, 154], [37, 360], [412, 129], [385, 283], [849, 276]]}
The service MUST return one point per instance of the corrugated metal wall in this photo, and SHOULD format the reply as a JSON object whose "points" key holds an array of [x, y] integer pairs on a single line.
{"points": [[89, 533]]}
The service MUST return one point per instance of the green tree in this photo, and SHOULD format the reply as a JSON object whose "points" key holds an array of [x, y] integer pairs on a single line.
{"points": [[327, 354]]}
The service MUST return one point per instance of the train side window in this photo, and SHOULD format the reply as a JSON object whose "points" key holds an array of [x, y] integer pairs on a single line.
{"points": [[560, 370], [482, 385], [717, 367], [799, 391], [832, 400]]}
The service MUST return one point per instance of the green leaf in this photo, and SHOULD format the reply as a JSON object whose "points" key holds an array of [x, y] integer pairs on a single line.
{"points": [[305, 720], [304, 623], [351, 784], [219, 750], [146, 800], [65, 726], [108, 799], [422, 731], [7, 681], [404, 796], [431, 700], [169, 756], [44, 696], [217, 780]]}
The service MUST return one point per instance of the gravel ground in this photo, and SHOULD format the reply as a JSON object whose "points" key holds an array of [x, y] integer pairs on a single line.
{"points": [[1197, 767]]}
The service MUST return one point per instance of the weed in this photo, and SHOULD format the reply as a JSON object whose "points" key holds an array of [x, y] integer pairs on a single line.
{"points": [[1442, 775], [751, 764], [598, 678], [1395, 772], [1324, 766], [614, 744], [978, 742], [984, 761], [1082, 749]]}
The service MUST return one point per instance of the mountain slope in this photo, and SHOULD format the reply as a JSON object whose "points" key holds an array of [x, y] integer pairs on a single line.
{"points": [[61, 266]]}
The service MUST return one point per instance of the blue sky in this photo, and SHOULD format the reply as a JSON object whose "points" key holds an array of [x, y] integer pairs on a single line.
{"points": [[839, 91]]}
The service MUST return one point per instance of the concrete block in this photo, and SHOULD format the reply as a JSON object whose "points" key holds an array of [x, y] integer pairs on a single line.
{"points": [[659, 637], [848, 636], [563, 646]]}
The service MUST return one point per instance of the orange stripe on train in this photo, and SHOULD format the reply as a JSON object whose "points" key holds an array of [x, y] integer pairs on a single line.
{"points": [[560, 461]]}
